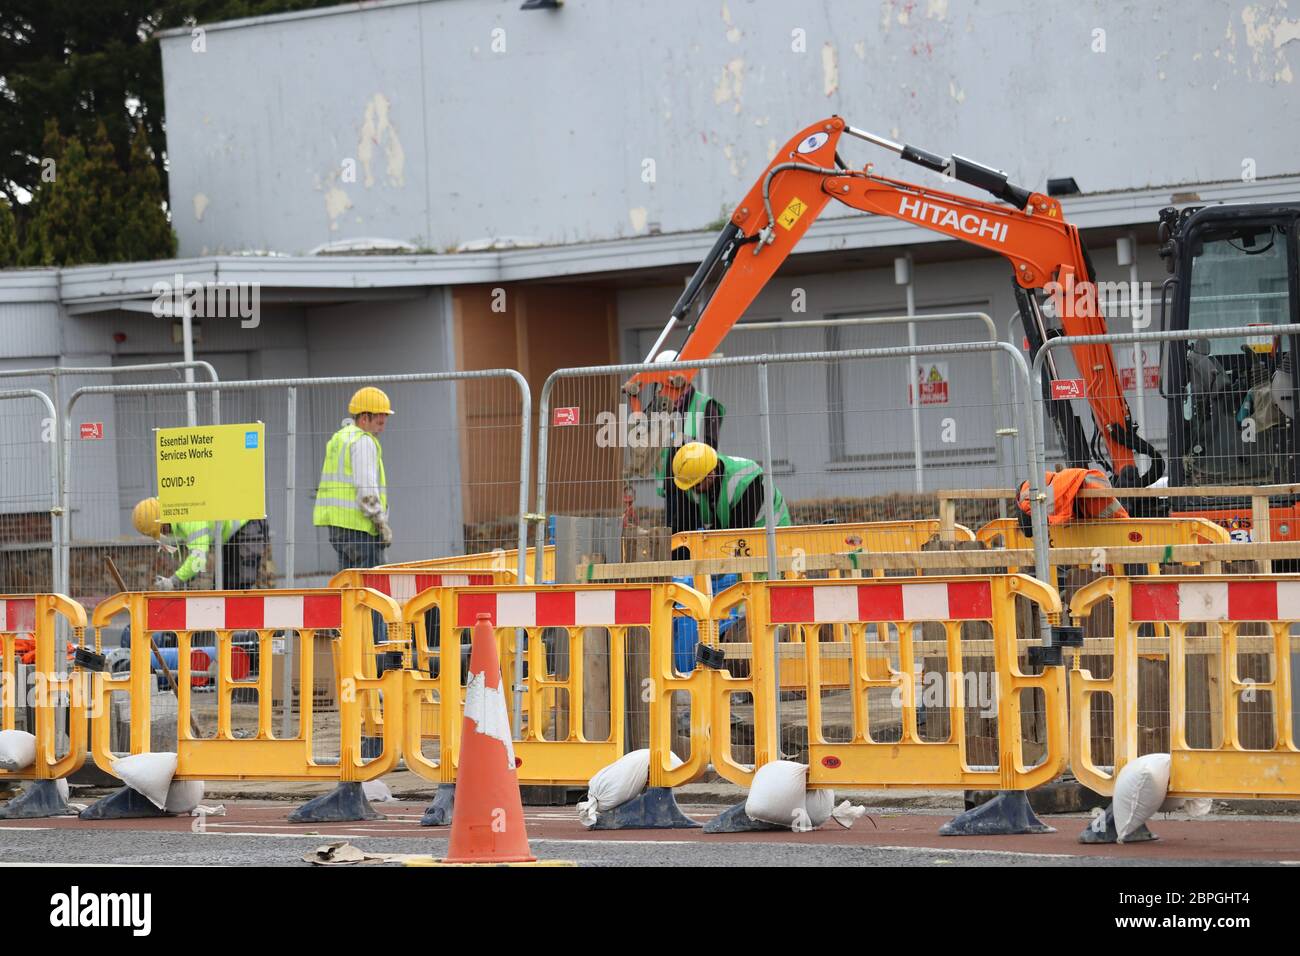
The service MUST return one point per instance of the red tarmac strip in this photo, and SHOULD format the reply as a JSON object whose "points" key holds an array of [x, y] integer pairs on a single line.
{"points": [[1260, 840]]}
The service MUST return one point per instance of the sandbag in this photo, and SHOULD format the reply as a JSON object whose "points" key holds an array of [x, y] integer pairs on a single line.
{"points": [[376, 791], [17, 750], [1139, 791], [778, 794], [183, 796], [618, 783], [819, 805], [1192, 806], [148, 774]]}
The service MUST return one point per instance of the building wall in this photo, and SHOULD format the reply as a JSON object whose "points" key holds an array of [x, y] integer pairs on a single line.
{"points": [[444, 121]]}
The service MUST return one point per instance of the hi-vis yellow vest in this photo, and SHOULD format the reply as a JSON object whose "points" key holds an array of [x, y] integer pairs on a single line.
{"points": [[336, 497]]}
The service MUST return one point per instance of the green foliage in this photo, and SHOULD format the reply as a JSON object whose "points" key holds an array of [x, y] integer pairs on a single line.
{"points": [[8, 235], [91, 210]]}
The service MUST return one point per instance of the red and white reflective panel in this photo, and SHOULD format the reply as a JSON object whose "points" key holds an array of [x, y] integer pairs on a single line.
{"points": [[402, 586], [834, 603], [233, 613], [1217, 601], [18, 616], [555, 608]]}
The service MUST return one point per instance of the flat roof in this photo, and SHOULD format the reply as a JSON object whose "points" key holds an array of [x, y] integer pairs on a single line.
{"points": [[90, 288]]}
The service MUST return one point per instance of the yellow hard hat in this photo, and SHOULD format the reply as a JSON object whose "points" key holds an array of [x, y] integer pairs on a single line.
{"points": [[370, 399], [692, 464], [145, 518]]}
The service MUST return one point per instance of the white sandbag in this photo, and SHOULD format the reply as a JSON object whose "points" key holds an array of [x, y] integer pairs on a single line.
{"points": [[779, 793], [1192, 806], [618, 783], [183, 796], [1139, 791], [819, 805], [846, 814], [149, 774], [376, 791], [17, 750]]}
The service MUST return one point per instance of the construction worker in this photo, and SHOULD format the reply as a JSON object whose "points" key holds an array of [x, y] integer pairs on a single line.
{"points": [[243, 544], [352, 499], [701, 417], [1063, 501], [726, 491]]}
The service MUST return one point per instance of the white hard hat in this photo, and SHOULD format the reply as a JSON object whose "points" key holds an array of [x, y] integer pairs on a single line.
{"points": [[667, 355]]}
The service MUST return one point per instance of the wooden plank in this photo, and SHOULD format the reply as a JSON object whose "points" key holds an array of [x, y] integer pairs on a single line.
{"points": [[1177, 491], [1261, 531], [950, 560]]}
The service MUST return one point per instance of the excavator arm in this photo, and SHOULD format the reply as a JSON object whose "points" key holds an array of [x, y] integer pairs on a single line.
{"points": [[1045, 253]]}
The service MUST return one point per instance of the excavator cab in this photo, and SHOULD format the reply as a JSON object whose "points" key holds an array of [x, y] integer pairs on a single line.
{"points": [[1231, 402]]}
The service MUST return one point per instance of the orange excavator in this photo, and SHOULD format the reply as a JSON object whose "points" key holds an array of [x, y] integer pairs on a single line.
{"points": [[1232, 265]]}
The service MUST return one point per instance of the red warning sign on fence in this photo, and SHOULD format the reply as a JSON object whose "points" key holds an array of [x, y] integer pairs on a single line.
{"points": [[565, 416], [1068, 388], [932, 383], [92, 430]]}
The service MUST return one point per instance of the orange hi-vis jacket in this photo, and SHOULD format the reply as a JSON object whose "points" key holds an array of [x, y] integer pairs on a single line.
{"points": [[1063, 503]]}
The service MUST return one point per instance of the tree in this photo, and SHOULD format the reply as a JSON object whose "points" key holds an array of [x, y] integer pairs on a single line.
{"points": [[8, 235], [145, 232], [91, 210]]}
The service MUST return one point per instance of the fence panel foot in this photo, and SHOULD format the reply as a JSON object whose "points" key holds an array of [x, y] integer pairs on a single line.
{"points": [[345, 803], [40, 798], [124, 804], [439, 812], [655, 808], [1007, 813], [735, 820], [1094, 833]]}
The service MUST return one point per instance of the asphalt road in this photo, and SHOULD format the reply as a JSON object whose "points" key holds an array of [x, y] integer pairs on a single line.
{"points": [[255, 834]]}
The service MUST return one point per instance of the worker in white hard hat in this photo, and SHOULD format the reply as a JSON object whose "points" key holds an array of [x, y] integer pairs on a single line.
{"points": [[243, 545], [352, 499], [696, 417], [727, 491]]}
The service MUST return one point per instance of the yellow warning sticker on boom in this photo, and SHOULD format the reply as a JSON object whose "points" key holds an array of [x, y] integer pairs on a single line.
{"points": [[792, 213]]}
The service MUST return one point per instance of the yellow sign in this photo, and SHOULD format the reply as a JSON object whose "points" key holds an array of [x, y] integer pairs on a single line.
{"points": [[211, 472], [792, 213]]}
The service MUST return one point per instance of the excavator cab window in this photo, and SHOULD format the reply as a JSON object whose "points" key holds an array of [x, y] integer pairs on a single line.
{"points": [[1231, 400]]}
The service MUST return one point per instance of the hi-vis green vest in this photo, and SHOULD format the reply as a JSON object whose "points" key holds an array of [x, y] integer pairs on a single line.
{"points": [[692, 428], [196, 536], [336, 497], [737, 475]]}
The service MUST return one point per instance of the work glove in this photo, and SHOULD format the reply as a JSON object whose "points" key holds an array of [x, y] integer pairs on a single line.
{"points": [[385, 532], [161, 583]]}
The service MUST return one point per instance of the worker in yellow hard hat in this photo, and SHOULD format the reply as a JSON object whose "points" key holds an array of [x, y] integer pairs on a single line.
{"points": [[352, 499], [726, 491], [243, 545], [693, 416]]}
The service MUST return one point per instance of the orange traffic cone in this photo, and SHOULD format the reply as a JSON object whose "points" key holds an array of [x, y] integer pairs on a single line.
{"points": [[487, 825]]}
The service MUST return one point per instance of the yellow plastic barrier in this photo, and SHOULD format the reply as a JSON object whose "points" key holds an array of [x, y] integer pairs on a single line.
{"points": [[345, 611], [33, 617], [1114, 533], [1218, 606], [875, 605], [572, 759], [503, 560], [403, 584], [813, 539]]}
